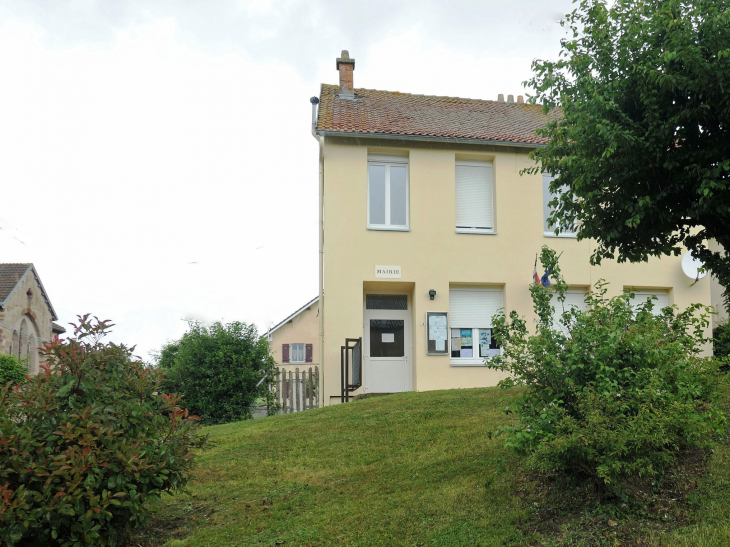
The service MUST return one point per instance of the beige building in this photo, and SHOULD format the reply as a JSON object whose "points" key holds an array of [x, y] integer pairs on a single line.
{"points": [[294, 341], [427, 228], [26, 314]]}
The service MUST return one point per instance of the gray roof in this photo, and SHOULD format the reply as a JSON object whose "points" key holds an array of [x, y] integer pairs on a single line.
{"points": [[293, 315], [12, 275]]}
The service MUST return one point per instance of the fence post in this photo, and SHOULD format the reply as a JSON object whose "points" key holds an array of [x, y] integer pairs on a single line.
{"points": [[277, 384], [316, 386], [290, 391], [295, 391], [309, 388]]}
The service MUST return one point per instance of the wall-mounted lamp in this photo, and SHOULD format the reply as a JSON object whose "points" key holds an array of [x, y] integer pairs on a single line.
{"points": [[432, 294]]}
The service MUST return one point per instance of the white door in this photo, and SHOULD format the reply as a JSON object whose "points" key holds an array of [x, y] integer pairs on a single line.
{"points": [[387, 351]]}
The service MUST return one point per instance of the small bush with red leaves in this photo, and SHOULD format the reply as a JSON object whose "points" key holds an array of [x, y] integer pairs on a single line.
{"points": [[88, 446]]}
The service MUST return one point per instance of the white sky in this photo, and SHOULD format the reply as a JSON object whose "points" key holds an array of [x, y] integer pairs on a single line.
{"points": [[156, 160]]}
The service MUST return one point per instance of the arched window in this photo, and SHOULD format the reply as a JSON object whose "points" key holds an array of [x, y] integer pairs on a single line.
{"points": [[14, 343], [23, 332]]}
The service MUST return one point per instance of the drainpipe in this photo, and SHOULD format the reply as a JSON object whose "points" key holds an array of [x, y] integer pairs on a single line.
{"points": [[320, 140]]}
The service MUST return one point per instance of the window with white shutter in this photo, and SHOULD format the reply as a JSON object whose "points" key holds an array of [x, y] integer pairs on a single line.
{"points": [[474, 197], [388, 192], [470, 324], [574, 298], [547, 197], [641, 296]]}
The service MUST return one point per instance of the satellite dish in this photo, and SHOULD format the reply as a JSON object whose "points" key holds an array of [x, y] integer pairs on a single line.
{"points": [[691, 267]]}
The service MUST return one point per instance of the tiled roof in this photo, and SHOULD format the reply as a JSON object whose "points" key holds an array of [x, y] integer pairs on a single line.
{"points": [[56, 328], [391, 113], [10, 274]]}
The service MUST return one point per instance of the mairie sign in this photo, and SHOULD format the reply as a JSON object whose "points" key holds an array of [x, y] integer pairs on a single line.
{"points": [[390, 272]]}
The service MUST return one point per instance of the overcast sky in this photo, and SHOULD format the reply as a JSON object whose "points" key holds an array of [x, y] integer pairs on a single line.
{"points": [[156, 160]]}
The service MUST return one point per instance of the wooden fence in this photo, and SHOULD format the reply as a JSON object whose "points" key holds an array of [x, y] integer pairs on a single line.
{"points": [[297, 391]]}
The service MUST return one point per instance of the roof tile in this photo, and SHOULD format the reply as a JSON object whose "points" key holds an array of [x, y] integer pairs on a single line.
{"points": [[394, 113]]}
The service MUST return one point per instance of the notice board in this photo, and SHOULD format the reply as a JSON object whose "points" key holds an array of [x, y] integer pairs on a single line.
{"points": [[437, 333]]}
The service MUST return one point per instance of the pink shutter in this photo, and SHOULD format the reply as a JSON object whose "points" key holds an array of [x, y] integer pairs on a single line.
{"points": [[285, 353], [309, 349]]}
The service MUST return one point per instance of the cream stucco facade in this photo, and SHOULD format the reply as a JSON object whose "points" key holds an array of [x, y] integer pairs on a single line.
{"points": [[302, 327], [433, 256]]}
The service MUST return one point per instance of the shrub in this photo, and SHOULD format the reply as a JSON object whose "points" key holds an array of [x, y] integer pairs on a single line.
{"points": [[613, 393], [11, 370], [217, 370], [721, 340], [88, 447]]}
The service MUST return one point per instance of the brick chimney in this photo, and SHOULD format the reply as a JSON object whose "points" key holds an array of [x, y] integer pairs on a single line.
{"points": [[346, 66]]}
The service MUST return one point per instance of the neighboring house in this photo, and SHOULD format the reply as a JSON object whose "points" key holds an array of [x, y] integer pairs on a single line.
{"points": [[294, 341], [423, 209], [26, 314]]}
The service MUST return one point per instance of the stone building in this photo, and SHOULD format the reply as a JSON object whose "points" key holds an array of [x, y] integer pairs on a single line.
{"points": [[26, 314]]}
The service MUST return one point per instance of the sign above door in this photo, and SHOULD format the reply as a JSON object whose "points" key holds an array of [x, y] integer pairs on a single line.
{"points": [[388, 272]]}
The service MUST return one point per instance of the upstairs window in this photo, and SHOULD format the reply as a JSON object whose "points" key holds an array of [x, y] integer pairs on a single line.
{"points": [[297, 353], [642, 295], [474, 197], [388, 192], [547, 197]]}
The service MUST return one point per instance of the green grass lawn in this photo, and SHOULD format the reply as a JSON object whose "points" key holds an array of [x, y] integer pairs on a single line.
{"points": [[407, 469]]}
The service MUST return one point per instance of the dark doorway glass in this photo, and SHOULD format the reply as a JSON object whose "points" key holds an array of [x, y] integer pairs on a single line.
{"points": [[387, 338]]}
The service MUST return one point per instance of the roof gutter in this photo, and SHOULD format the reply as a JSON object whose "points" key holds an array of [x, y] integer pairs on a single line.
{"points": [[426, 138]]}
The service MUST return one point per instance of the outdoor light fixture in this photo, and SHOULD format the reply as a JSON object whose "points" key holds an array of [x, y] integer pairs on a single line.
{"points": [[432, 294]]}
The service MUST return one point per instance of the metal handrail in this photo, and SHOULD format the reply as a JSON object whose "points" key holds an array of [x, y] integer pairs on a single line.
{"points": [[352, 346]]}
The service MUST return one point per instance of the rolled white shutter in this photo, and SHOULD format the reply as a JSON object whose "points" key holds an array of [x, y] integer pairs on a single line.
{"points": [[573, 299], [474, 195], [474, 308], [640, 297]]}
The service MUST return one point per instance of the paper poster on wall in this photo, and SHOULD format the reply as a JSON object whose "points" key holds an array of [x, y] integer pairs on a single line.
{"points": [[437, 329], [466, 337], [485, 340], [388, 338]]}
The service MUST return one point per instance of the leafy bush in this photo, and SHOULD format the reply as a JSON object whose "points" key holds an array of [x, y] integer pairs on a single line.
{"points": [[88, 447], [613, 393], [11, 370], [217, 370], [721, 340]]}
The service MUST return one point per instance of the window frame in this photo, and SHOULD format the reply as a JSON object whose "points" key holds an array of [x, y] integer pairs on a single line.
{"points": [[387, 161], [547, 233], [291, 353], [470, 361], [477, 163]]}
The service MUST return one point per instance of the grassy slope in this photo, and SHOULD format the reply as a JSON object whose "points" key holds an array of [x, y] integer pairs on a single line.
{"points": [[408, 469]]}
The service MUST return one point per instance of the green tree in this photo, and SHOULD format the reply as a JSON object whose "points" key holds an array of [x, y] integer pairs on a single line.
{"points": [[12, 370], [641, 152], [217, 370]]}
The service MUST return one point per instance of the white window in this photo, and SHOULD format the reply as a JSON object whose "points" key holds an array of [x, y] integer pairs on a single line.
{"points": [[388, 192], [470, 324], [297, 353], [642, 295], [547, 197], [474, 197], [574, 298]]}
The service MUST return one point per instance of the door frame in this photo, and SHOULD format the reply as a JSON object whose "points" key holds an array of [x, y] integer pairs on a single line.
{"points": [[406, 316]]}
